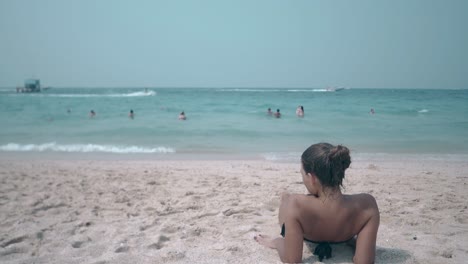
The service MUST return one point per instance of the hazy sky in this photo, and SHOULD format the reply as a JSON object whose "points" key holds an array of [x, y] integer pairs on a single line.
{"points": [[314, 43]]}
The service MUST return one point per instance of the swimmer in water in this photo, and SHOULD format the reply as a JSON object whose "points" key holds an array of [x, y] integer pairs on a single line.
{"points": [[277, 114], [131, 115], [182, 116], [300, 111]]}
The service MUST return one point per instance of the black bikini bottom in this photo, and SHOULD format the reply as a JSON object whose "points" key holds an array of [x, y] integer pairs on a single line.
{"points": [[323, 249]]}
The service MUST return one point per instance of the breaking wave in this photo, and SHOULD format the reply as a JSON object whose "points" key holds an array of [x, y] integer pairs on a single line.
{"points": [[52, 146]]}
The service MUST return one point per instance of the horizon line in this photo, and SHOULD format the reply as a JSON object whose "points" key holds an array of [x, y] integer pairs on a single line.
{"points": [[231, 87]]}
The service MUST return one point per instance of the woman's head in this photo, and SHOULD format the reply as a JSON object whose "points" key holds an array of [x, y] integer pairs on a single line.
{"points": [[327, 162]]}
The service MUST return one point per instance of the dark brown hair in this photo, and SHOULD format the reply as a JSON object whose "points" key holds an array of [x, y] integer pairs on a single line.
{"points": [[327, 162]]}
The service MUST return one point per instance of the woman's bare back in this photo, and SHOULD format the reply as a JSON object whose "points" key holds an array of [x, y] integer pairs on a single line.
{"points": [[325, 215], [336, 219], [333, 219]]}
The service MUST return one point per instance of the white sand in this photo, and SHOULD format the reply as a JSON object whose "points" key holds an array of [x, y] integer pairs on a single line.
{"points": [[209, 211]]}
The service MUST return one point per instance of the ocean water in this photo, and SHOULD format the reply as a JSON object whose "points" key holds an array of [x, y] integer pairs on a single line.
{"points": [[226, 121]]}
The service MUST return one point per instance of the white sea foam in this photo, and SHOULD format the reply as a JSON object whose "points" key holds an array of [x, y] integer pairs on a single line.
{"points": [[149, 93], [249, 90], [310, 90], [423, 111], [134, 94], [269, 90], [52, 146], [277, 156]]}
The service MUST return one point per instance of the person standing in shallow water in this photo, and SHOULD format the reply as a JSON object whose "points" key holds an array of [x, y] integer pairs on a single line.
{"points": [[131, 115], [300, 111], [277, 114], [325, 215], [269, 112], [182, 116]]}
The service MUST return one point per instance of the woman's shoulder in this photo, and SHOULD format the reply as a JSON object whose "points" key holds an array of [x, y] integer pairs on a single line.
{"points": [[300, 203], [297, 200], [292, 198], [364, 201], [367, 197], [297, 197]]}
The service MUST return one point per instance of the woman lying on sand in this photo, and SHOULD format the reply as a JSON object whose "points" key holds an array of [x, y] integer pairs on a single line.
{"points": [[325, 215]]}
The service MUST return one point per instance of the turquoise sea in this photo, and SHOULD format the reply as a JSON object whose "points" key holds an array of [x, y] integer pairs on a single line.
{"points": [[228, 121]]}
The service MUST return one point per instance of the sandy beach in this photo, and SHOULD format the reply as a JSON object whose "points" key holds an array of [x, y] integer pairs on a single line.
{"points": [[192, 211]]}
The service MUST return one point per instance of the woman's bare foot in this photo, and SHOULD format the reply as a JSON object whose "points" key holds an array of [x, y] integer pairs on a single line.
{"points": [[267, 241]]}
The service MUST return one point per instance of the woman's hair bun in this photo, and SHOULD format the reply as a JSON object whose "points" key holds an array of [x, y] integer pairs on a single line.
{"points": [[339, 155], [328, 162]]}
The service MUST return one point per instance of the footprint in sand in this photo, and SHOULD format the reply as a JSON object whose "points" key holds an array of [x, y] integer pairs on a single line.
{"points": [[80, 241], [233, 249], [12, 250], [272, 204], [173, 255], [242, 211], [150, 225], [461, 219], [13, 241], [447, 253], [197, 231], [122, 249], [160, 243], [77, 244], [170, 229]]}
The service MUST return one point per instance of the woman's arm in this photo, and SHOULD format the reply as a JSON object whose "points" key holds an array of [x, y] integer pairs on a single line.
{"points": [[290, 248], [366, 239], [279, 243], [291, 245]]}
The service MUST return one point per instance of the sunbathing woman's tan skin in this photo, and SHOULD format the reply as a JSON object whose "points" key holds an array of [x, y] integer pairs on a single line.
{"points": [[325, 214]]}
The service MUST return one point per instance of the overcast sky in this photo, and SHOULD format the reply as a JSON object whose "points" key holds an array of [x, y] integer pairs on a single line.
{"points": [[313, 43]]}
